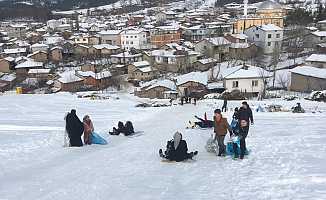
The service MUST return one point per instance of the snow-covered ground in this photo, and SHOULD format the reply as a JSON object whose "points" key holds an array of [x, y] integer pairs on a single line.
{"points": [[287, 160]]}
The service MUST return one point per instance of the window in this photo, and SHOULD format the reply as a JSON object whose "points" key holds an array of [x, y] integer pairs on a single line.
{"points": [[235, 84], [257, 35], [127, 36], [254, 83], [278, 35], [269, 44], [131, 42], [135, 36], [269, 35]]}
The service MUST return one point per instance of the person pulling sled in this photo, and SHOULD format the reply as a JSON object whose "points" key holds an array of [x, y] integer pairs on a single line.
{"points": [[177, 150]]}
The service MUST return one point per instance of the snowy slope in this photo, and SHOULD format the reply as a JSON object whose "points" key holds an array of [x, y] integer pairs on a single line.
{"points": [[287, 159]]}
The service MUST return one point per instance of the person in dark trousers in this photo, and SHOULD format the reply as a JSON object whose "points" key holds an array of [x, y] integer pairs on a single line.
{"points": [[177, 150], [195, 101], [236, 114], [204, 123], [242, 134], [171, 100], [225, 104], [221, 126], [74, 128], [182, 101], [126, 129], [245, 114]]}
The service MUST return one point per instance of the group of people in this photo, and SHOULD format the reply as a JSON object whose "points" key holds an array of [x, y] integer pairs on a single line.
{"points": [[176, 149], [75, 129], [186, 100]]}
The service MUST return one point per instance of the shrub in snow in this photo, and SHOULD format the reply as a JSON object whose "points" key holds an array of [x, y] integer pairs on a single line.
{"points": [[317, 96], [233, 95]]}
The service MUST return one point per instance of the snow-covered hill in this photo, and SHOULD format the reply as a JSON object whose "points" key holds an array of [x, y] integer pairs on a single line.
{"points": [[287, 160]]}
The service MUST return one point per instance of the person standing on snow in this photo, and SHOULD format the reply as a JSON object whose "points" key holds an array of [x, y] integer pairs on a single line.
{"points": [[75, 129], [242, 134], [225, 104], [221, 126], [88, 130], [245, 113]]}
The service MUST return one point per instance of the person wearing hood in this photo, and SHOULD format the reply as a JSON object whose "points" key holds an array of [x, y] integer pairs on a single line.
{"points": [[221, 126], [177, 150], [74, 128], [88, 130]]}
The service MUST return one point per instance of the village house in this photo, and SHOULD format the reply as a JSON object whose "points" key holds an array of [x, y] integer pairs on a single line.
{"points": [[249, 80], [40, 74], [164, 16], [315, 38], [307, 79], [193, 84], [111, 37], [136, 39], [172, 60], [158, 89], [39, 56], [103, 49], [267, 37], [242, 51], [7, 82], [17, 30], [56, 54], [7, 64], [16, 52], [126, 58], [99, 80], [205, 64], [69, 82], [165, 34], [141, 71], [39, 47], [23, 68], [81, 50], [217, 48], [316, 60]]}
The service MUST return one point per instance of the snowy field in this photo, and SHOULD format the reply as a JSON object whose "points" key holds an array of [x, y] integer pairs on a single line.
{"points": [[288, 156]]}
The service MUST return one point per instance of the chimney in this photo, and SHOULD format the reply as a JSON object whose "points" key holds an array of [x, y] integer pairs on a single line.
{"points": [[245, 8]]}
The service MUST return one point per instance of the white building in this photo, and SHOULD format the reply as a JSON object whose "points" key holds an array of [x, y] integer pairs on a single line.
{"points": [[268, 37], [247, 79], [134, 39]]}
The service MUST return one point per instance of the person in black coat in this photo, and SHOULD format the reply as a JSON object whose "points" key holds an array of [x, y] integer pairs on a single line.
{"points": [[126, 129], [74, 128], [177, 150], [244, 114], [225, 105]]}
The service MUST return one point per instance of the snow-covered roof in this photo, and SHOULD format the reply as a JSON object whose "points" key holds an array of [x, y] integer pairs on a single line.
{"points": [[217, 41], [39, 71], [240, 45], [145, 69], [198, 77], [270, 27], [106, 46], [14, 51], [319, 33], [69, 77], [141, 63], [240, 36], [8, 77], [9, 59], [207, 61], [316, 58], [126, 55], [163, 83], [215, 85], [310, 71], [29, 64], [110, 32], [249, 72], [99, 75], [37, 45]]}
